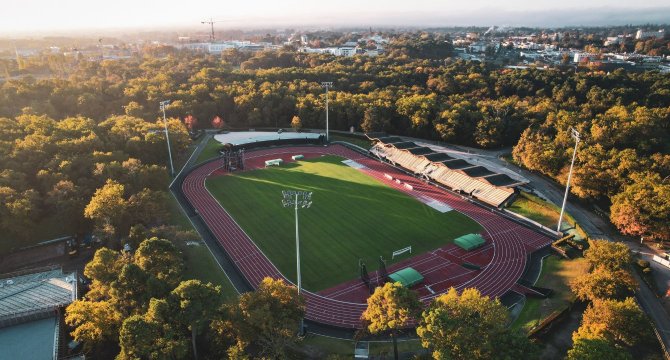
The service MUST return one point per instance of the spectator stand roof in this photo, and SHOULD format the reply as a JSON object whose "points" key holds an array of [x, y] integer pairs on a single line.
{"points": [[407, 277], [456, 164], [477, 171], [470, 241], [437, 157], [421, 150]]}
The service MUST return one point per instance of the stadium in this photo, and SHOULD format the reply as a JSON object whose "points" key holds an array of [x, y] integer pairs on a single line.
{"points": [[394, 212]]}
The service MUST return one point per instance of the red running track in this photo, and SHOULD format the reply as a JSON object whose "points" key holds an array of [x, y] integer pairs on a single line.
{"points": [[511, 242]]}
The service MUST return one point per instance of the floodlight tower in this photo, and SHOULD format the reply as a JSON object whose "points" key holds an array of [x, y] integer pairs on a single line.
{"points": [[575, 134], [327, 85], [163, 105], [297, 199]]}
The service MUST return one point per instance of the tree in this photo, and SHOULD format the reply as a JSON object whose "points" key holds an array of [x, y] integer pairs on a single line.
{"points": [[602, 283], [296, 123], [94, 322], [102, 270], [462, 326], [154, 335], [108, 207], [643, 207], [374, 120], [196, 304], [160, 259], [390, 308], [612, 256], [268, 317], [217, 122], [618, 322], [596, 349]]}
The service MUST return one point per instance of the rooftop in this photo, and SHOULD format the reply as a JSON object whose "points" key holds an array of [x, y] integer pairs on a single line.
{"points": [[36, 292]]}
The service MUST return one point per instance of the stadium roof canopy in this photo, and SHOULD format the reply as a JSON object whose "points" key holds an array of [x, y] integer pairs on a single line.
{"points": [[422, 150], [245, 137], [456, 164], [477, 171], [437, 157], [470, 241], [407, 277]]}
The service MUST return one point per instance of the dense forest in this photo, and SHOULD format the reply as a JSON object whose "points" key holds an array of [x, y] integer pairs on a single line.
{"points": [[63, 136]]}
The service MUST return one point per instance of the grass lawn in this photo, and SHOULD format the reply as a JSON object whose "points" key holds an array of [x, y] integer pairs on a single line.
{"points": [[344, 349], [353, 216], [539, 210], [556, 274], [200, 263], [211, 150]]}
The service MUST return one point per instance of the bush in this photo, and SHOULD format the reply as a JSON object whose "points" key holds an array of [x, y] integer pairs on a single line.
{"points": [[643, 263]]}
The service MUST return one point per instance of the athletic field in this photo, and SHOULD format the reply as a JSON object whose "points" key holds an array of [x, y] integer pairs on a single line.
{"points": [[352, 216]]}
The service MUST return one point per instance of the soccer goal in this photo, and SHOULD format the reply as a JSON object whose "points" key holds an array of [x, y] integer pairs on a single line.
{"points": [[401, 251]]}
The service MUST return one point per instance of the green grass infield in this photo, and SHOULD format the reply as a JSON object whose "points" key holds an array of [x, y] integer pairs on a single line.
{"points": [[353, 216]]}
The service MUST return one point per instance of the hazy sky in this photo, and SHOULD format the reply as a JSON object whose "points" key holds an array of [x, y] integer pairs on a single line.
{"points": [[27, 16]]}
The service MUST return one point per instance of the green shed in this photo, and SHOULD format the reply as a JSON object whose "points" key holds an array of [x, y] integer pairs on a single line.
{"points": [[407, 277], [470, 241]]}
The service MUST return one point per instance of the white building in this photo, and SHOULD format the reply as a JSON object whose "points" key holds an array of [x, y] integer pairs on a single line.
{"points": [[649, 34]]}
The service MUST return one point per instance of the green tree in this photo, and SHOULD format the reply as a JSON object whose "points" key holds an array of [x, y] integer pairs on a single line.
{"points": [[462, 326], [596, 349], [160, 259], [196, 303], [390, 308]]}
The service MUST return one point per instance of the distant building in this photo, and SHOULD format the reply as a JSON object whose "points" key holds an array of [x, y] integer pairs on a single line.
{"points": [[30, 313], [641, 35]]}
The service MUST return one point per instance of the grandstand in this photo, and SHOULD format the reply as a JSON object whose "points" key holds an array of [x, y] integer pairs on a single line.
{"points": [[456, 174]]}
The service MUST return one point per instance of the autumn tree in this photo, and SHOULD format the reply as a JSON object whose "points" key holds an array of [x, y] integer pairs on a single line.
{"points": [[108, 207], [618, 322], [296, 123], [268, 318], [390, 308], [94, 322], [463, 326], [610, 255], [160, 259], [602, 283], [643, 207]]}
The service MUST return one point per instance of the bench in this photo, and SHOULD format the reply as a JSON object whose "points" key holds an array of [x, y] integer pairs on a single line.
{"points": [[273, 162], [297, 157]]}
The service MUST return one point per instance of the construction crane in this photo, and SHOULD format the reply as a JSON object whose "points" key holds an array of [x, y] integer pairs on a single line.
{"points": [[211, 22]]}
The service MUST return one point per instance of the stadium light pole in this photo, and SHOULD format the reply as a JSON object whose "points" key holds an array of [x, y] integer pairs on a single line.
{"points": [[575, 134], [297, 199], [327, 85], [163, 105]]}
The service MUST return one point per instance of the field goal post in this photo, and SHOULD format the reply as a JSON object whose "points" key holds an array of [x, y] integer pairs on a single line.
{"points": [[401, 251]]}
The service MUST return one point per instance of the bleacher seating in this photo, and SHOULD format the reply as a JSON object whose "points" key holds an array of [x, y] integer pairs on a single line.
{"points": [[456, 174]]}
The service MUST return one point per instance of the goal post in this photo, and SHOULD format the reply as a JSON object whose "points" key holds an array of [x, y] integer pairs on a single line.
{"points": [[401, 251]]}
